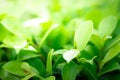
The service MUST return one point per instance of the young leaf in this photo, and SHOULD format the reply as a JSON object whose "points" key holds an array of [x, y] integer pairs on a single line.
{"points": [[70, 71], [112, 52], [71, 54], [23, 55], [49, 62], [83, 34], [106, 26]]}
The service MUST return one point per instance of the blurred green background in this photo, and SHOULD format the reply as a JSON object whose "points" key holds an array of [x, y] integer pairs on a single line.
{"points": [[65, 13]]}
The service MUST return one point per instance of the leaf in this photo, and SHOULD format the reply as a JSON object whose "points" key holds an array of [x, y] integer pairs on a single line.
{"points": [[89, 67], [49, 78], [70, 54], [112, 42], [113, 65], [14, 67], [27, 77], [61, 51], [83, 34], [49, 62], [112, 52], [97, 41], [106, 26], [47, 33], [70, 71], [38, 65], [26, 54], [16, 42], [2, 16], [13, 25], [4, 33]]}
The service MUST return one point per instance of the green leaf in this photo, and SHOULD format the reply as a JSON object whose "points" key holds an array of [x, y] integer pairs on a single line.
{"points": [[112, 42], [61, 51], [111, 66], [89, 67], [26, 54], [8, 76], [83, 34], [4, 33], [47, 33], [27, 77], [70, 71], [16, 42], [49, 78], [13, 25], [70, 54], [106, 26], [14, 67], [97, 41], [2, 16], [38, 65], [112, 52], [49, 62]]}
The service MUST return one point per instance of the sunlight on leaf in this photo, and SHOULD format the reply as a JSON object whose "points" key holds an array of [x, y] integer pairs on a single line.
{"points": [[112, 52], [70, 54], [83, 34]]}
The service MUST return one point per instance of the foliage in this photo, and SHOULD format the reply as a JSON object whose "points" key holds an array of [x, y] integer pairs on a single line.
{"points": [[59, 40]]}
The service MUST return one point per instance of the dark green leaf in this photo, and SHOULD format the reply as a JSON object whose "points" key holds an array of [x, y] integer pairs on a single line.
{"points": [[111, 66], [38, 65], [70, 71], [89, 67], [49, 78], [26, 54]]}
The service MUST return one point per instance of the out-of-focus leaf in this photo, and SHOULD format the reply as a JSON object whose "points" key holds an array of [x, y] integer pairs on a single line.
{"points": [[91, 51], [49, 62], [106, 26], [47, 33], [4, 33], [95, 39], [112, 52], [2, 16], [13, 25], [112, 42], [14, 67], [26, 54], [70, 71], [83, 34], [15, 42], [70, 54], [57, 38]]}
